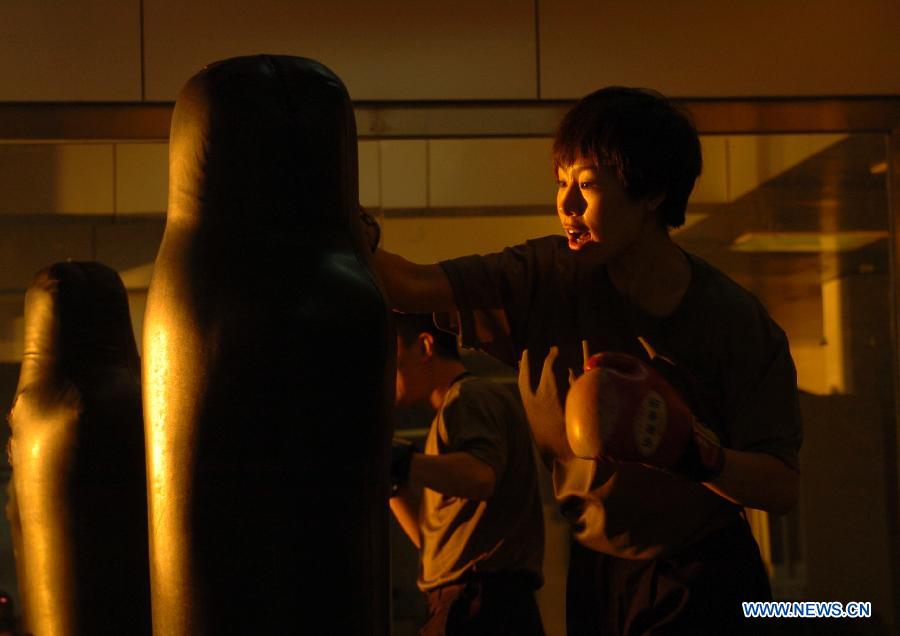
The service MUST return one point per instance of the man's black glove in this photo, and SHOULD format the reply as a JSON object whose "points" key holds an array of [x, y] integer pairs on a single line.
{"points": [[401, 459]]}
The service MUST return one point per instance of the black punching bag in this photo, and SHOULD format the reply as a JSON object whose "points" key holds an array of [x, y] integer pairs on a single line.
{"points": [[268, 365], [15, 535], [77, 451]]}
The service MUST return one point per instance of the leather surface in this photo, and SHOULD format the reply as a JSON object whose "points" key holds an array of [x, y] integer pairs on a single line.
{"points": [[268, 365], [77, 451]]}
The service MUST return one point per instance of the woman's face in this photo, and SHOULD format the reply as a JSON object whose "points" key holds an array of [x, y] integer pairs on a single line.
{"points": [[595, 210]]}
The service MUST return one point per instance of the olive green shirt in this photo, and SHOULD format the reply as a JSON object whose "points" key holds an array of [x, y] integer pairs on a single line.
{"points": [[504, 533], [541, 294]]}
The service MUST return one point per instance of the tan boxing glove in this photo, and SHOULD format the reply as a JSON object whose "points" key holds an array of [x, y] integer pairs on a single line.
{"points": [[622, 409]]}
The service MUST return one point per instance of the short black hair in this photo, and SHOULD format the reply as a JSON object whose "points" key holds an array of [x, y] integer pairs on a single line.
{"points": [[409, 326], [649, 143]]}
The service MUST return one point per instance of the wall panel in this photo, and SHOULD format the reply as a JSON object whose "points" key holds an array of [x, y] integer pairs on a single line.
{"points": [[484, 172], [430, 239], [699, 48], [403, 49], [142, 178], [404, 173], [88, 50], [27, 248], [369, 182], [56, 179], [11, 329]]}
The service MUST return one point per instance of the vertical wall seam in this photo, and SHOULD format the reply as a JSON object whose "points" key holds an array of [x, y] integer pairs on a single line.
{"points": [[727, 169], [537, 47], [143, 74], [427, 173], [115, 182], [380, 175]]}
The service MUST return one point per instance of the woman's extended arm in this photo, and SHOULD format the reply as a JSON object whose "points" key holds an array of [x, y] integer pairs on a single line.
{"points": [[413, 288]]}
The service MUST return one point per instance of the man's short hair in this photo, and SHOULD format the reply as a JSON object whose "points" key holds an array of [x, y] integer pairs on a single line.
{"points": [[649, 143], [409, 326]]}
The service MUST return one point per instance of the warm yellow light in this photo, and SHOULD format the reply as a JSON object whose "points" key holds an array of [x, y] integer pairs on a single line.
{"points": [[878, 168], [805, 242], [158, 366], [167, 464], [156, 415]]}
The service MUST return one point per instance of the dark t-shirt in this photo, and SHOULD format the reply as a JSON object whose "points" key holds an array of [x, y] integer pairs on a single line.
{"points": [[742, 380], [504, 533]]}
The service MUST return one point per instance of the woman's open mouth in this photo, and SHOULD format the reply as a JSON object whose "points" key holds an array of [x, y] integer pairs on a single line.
{"points": [[577, 237]]}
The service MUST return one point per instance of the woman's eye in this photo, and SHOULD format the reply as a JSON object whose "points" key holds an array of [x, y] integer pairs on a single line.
{"points": [[587, 185], [561, 184]]}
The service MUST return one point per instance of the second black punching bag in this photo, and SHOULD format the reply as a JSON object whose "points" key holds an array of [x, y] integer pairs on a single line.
{"points": [[77, 449], [268, 365]]}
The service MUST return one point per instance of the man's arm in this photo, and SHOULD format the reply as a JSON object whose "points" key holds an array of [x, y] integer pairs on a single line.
{"points": [[411, 287], [757, 480], [454, 475], [405, 506]]}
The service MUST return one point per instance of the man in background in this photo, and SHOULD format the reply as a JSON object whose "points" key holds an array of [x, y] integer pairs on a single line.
{"points": [[470, 502]]}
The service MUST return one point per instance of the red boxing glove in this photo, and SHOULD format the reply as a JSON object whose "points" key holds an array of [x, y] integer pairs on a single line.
{"points": [[622, 409]]}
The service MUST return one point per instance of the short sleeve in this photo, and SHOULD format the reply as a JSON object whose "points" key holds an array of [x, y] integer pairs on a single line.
{"points": [[474, 424], [767, 413], [492, 294]]}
